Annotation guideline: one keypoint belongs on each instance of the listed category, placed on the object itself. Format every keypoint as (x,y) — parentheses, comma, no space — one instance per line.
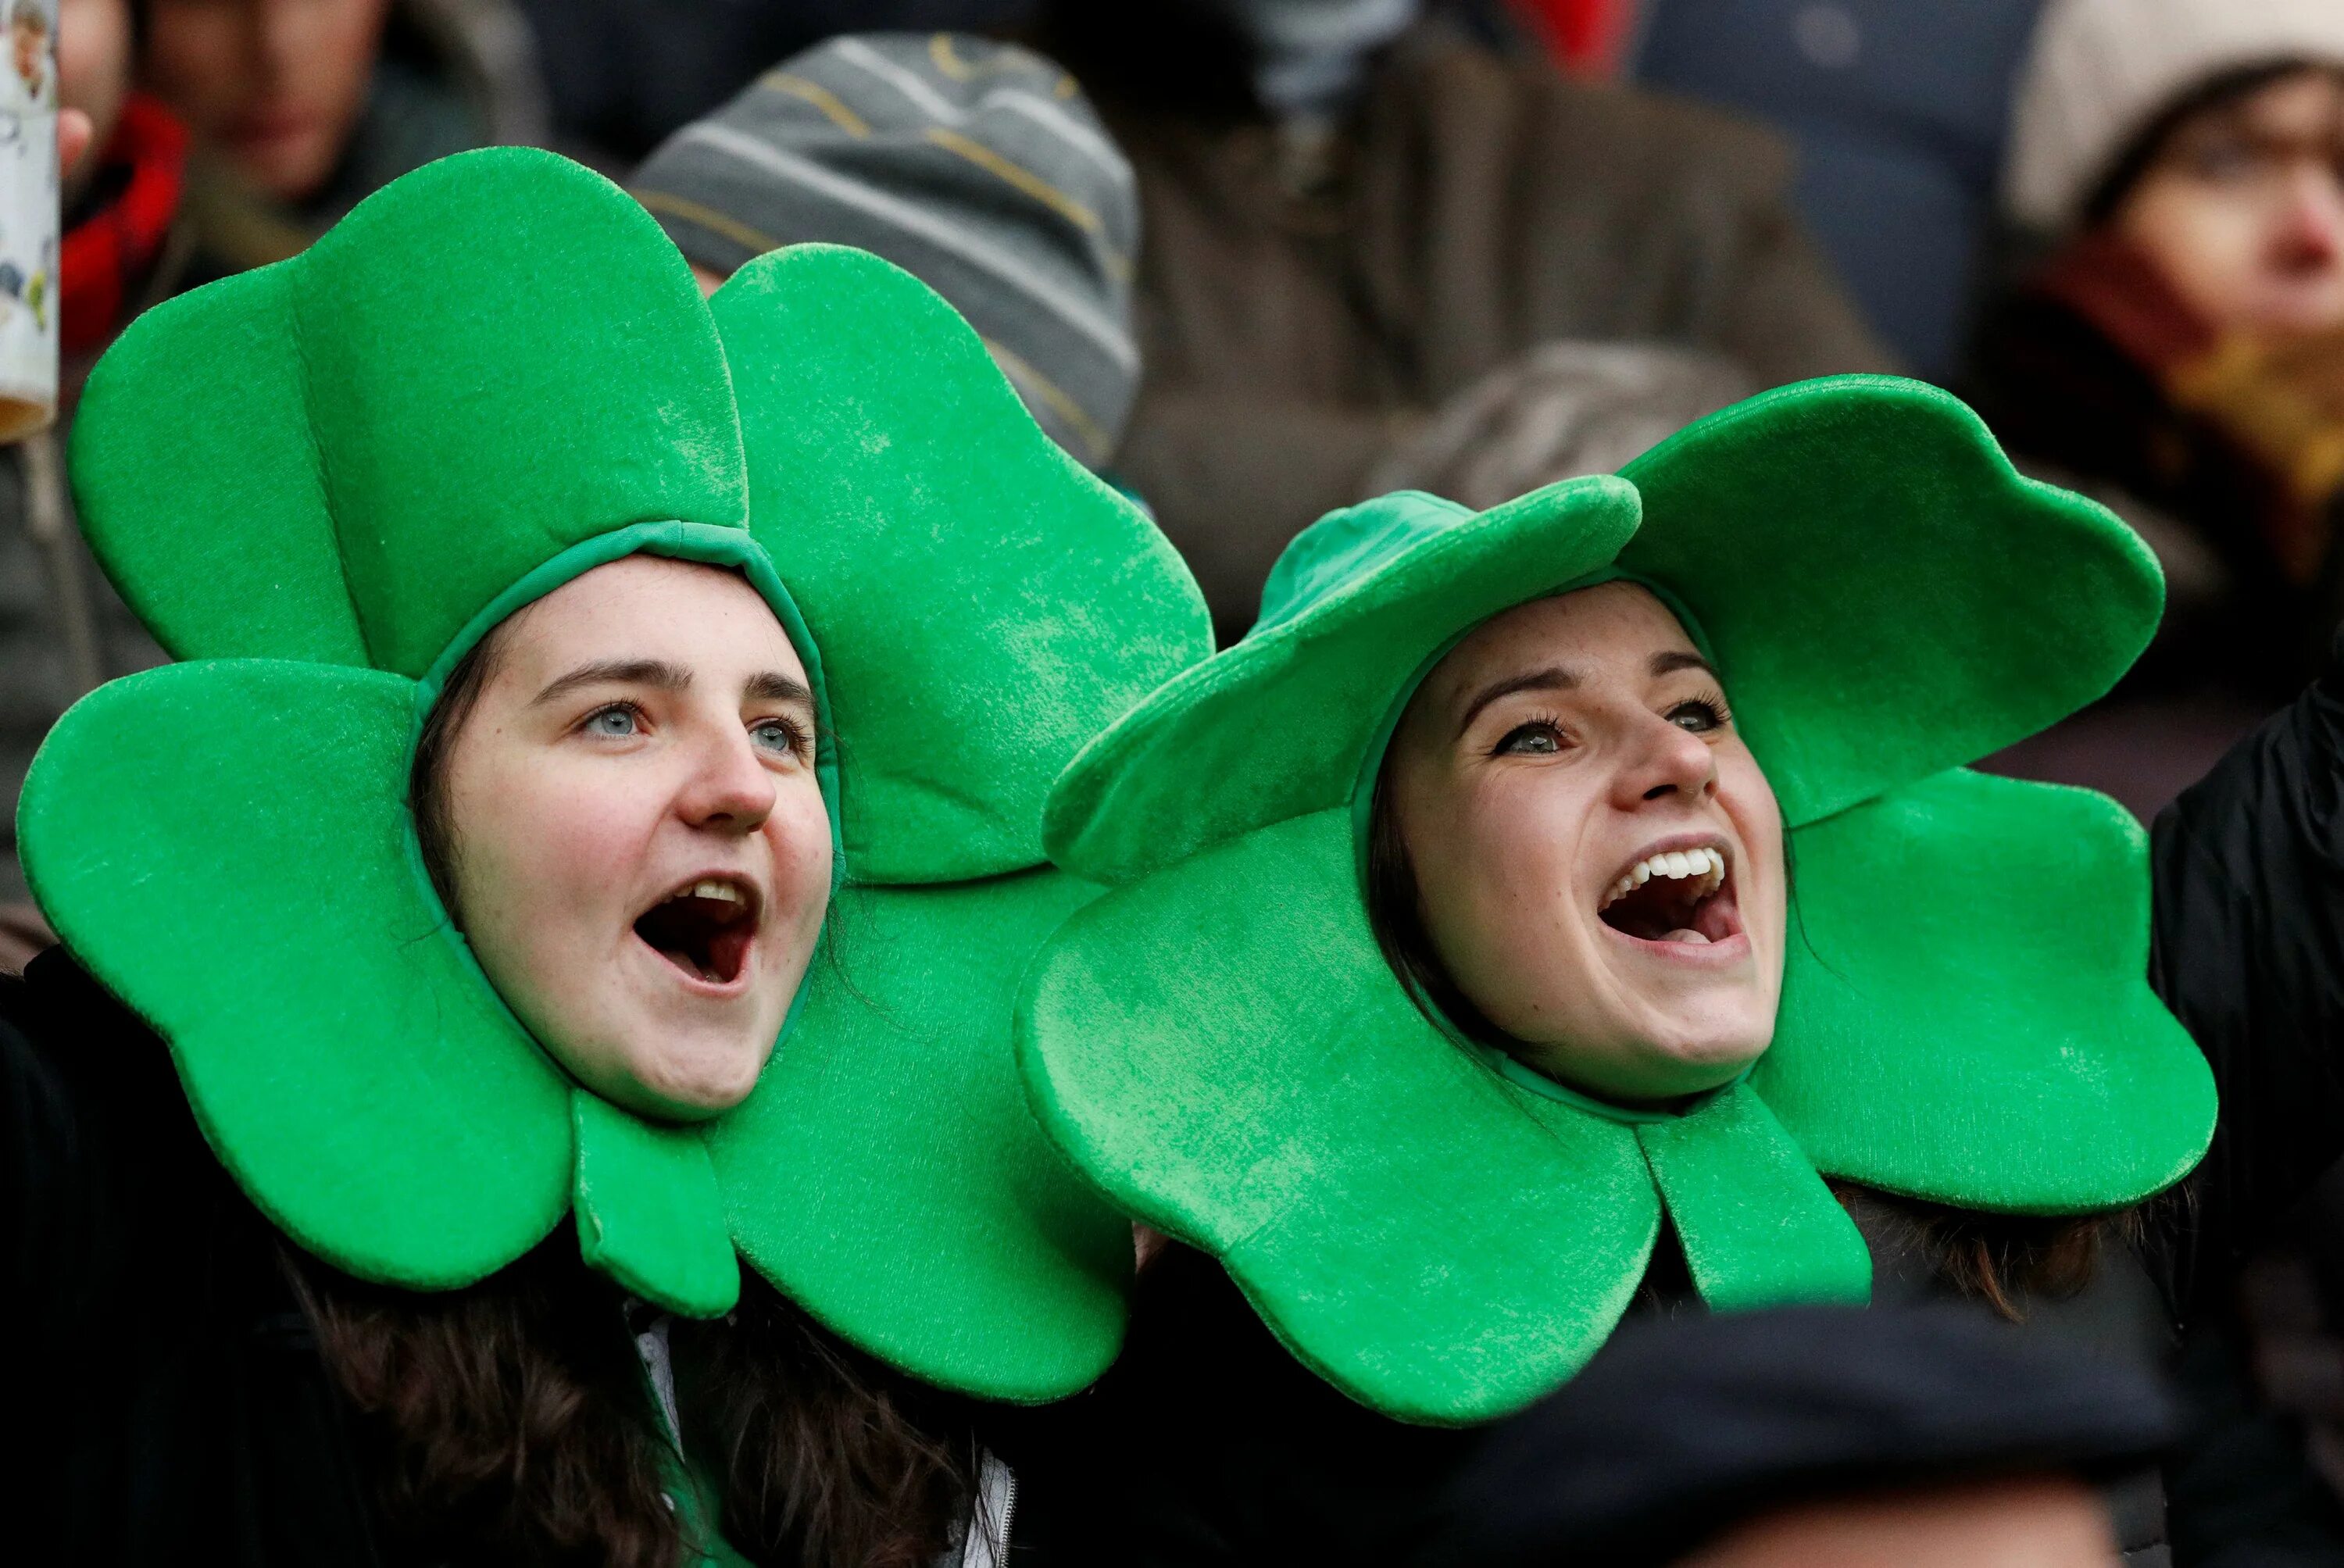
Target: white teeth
(1686,935)
(724,891)
(1708,865)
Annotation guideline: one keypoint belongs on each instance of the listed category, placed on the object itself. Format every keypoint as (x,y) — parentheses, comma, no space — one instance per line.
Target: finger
(74,132)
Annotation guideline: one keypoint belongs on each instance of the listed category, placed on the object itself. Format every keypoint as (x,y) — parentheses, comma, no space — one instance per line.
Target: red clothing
(108,253)
(1586,36)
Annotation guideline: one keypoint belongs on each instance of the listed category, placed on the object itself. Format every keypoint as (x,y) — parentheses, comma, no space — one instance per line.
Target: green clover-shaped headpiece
(321,483)
(1437,1231)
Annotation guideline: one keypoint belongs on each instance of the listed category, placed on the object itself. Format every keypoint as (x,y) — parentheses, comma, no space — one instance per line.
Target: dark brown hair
(1996,1258)
(503,1422)
(427,776)
(825,1454)
(512,1420)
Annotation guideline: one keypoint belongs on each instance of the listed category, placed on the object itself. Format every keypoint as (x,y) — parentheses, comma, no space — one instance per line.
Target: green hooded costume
(1442,1232)
(322,482)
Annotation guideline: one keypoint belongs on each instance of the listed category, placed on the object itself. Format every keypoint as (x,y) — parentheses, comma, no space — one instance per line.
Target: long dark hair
(512,1420)
(1994,1257)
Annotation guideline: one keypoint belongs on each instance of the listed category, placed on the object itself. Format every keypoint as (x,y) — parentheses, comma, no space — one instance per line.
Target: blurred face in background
(2050,1521)
(94,67)
(278,85)
(2242,208)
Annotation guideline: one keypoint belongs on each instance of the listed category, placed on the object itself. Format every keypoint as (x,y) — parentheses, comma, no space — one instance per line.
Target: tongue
(1686,935)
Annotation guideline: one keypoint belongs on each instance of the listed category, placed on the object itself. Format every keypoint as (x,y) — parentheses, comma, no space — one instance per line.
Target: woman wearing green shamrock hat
(590,844)
(1584,902)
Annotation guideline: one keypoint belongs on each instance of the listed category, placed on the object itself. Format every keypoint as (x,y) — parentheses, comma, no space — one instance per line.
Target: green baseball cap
(1444,1234)
(322,482)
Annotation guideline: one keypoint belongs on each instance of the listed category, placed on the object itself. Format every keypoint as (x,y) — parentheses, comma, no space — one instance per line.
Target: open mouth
(1680,896)
(703,929)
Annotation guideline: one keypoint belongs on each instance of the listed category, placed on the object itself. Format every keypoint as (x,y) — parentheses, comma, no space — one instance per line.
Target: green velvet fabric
(321,482)
(896,488)
(410,440)
(929,1220)
(1220,1045)
(984,606)
(212,840)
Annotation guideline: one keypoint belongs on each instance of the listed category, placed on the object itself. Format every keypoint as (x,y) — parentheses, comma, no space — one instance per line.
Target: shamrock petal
(1758,1226)
(342,1052)
(1966,1016)
(1884,596)
(347,455)
(209,516)
(1409,1223)
(887,1174)
(964,576)
(649,1212)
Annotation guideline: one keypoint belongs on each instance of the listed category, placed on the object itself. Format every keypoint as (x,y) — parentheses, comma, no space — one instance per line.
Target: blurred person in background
(301,108)
(978,168)
(2180,355)
(1813,1437)
(1355,215)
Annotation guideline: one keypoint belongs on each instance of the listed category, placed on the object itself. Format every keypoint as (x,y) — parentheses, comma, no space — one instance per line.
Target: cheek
(191,55)
(2210,248)
(798,836)
(342,49)
(546,851)
(1521,837)
(1500,870)
(1750,804)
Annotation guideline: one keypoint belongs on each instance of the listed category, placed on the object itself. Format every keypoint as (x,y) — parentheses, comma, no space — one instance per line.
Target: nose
(276,33)
(2311,237)
(1663,760)
(729,790)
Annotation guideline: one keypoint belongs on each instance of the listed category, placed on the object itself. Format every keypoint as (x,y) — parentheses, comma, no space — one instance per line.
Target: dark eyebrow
(772,686)
(1553,678)
(656,674)
(1669,663)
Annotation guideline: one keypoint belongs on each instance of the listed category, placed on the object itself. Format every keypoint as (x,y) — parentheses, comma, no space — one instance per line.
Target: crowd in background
(1255,259)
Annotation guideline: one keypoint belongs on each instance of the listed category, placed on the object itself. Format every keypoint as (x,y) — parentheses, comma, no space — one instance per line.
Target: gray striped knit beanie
(978,168)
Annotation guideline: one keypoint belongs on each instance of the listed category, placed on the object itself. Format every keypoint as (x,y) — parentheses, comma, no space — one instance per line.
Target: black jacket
(174,1401)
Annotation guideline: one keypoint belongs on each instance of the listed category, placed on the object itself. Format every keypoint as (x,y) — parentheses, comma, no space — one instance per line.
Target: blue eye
(1700,715)
(778,735)
(1537,738)
(617,722)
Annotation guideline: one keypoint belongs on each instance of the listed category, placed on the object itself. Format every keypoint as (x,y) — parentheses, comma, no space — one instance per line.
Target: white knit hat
(2100,70)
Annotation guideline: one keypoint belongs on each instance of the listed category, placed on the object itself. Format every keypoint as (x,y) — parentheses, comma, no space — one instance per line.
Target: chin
(699,1080)
(1722,1041)
(1711,1065)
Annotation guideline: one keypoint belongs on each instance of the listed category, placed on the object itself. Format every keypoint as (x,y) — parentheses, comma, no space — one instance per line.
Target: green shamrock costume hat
(1443,1233)
(322,482)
